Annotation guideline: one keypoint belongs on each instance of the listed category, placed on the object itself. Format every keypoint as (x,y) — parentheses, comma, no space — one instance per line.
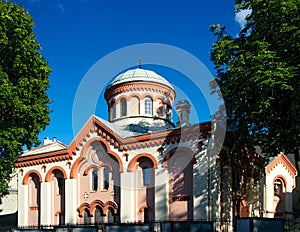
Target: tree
(258,75)
(24,79)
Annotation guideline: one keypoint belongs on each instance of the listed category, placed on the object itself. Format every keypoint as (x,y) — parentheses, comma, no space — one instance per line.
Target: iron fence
(216,225)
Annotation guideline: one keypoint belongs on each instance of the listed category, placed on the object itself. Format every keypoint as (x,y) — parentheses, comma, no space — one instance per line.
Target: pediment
(119,139)
(52,147)
(281,159)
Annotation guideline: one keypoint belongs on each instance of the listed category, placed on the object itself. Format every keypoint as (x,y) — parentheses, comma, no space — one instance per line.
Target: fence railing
(216,225)
(157,226)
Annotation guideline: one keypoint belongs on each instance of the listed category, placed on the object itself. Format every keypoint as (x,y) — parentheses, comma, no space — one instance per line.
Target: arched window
(110,215)
(94,180)
(34,190)
(145,172)
(148,106)
(123,107)
(86,217)
(58,196)
(146,176)
(114,111)
(34,200)
(134,106)
(105,179)
(98,215)
(278,187)
(60,183)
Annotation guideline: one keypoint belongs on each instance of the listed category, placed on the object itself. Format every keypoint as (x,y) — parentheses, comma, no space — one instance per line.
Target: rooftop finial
(140,62)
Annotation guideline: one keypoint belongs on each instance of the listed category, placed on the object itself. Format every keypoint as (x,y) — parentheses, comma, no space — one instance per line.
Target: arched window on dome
(134,106)
(112,110)
(123,107)
(148,106)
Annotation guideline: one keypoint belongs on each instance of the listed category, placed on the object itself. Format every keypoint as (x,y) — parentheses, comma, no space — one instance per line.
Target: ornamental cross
(85,196)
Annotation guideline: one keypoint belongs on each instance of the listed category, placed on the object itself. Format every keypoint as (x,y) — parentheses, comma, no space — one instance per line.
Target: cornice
(93,125)
(139,86)
(44,158)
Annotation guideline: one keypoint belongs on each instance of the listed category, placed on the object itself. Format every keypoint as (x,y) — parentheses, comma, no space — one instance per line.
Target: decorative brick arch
(93,166)
(146,95)
(82,208)
(110,204)
(74,169)
(96,203)
(50,172)
(27,175)
(138,96)
(142,209)
(280,177)
(179,149)
(118,99)
(106,165)
(284,180)
(59,212)
(73,173)
(111,102)
(133,161)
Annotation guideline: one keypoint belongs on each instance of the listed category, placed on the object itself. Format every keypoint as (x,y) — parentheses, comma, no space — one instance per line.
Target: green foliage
(258,75)
(24,79)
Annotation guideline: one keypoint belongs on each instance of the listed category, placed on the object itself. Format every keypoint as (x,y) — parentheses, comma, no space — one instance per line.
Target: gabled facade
(279,183)
(136,167)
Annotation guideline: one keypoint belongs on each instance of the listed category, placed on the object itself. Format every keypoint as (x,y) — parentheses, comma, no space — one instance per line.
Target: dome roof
(140,75)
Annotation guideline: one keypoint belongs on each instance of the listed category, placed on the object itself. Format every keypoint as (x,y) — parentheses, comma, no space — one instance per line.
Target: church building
(137,166)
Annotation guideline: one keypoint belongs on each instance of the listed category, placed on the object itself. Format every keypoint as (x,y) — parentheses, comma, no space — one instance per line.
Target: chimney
(47,141)
(183,111)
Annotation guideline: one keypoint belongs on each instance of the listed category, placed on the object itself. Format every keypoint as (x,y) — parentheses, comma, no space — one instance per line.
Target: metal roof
(140,74)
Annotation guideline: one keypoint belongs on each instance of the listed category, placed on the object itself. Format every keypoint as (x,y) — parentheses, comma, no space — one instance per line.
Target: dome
(140,75)
(140,100)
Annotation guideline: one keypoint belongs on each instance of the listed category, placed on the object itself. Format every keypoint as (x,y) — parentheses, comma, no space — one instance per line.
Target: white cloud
(240,17)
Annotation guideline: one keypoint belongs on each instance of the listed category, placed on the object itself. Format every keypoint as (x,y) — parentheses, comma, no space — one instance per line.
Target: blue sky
(75,34)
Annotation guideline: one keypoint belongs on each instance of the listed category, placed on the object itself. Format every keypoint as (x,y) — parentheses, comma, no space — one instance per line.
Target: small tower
(183,111)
